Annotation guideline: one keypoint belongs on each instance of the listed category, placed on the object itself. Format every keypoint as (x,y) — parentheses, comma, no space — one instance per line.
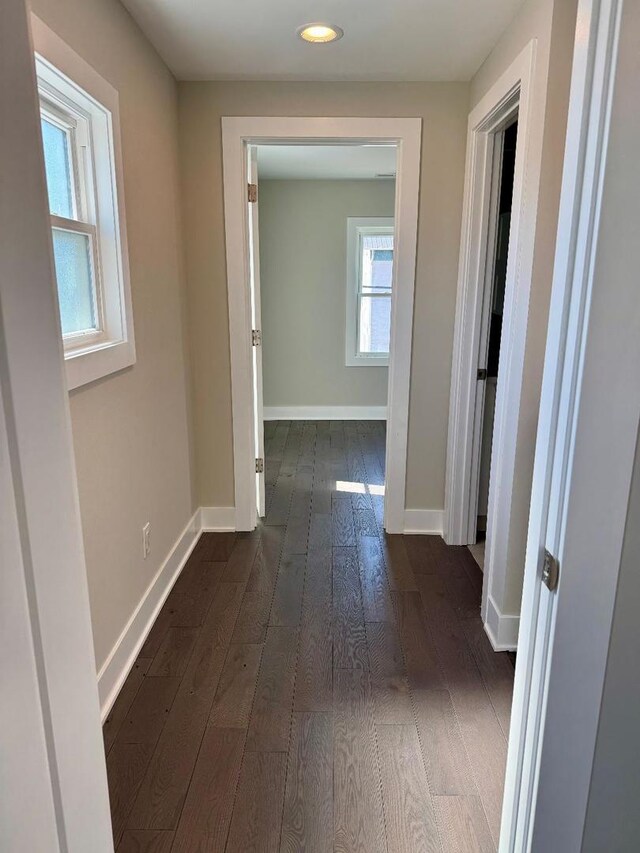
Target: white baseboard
(501,628)
(116,668)
(217,518)
(325,413)
(423,521)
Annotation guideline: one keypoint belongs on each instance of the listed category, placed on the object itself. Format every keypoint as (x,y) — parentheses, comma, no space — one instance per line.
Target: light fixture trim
(319,33)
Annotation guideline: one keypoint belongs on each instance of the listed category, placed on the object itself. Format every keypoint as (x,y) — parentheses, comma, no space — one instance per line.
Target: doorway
(321,262)
(491,130)
(240,135)
(489,357)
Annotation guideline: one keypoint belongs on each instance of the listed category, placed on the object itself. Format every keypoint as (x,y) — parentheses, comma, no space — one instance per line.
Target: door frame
(53,779)
(580,453)
(237,133)
(512,94)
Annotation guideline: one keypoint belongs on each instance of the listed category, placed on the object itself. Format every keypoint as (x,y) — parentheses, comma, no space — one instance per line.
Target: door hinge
(256,338)
(259,465)
(550,570)
(482,374)
(252,193)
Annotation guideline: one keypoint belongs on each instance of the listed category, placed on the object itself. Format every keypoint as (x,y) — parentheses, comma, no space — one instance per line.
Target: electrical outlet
(146,540)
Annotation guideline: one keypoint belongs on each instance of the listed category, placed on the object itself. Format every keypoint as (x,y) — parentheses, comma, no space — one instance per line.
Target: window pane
(377,263)
(374,324)
(57,164)
(72,254)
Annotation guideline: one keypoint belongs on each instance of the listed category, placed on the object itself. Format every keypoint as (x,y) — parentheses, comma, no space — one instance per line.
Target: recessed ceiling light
(320,33)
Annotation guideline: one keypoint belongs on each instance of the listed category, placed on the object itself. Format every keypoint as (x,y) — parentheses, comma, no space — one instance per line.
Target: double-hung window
(369,289)
(79,124)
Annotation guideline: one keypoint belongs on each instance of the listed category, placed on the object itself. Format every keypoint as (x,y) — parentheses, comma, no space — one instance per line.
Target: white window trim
(92,356)
(356,225)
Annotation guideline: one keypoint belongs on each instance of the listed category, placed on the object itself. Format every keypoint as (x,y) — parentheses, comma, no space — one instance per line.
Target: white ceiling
(391,40)
(326,162)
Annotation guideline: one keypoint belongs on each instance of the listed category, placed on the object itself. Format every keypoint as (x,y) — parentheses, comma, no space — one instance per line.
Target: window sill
(88,365)
(364,361)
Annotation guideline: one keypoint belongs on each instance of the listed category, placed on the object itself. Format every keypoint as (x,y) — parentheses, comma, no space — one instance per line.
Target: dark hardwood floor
(315,685)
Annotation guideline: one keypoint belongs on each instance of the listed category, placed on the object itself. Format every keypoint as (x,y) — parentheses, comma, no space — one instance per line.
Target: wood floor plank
(206,816)
(257,814)
(410,819)
(389,681)
(251,625)
(420,553)
(120,709)
(161,795)
(220,621)
(496,670)
(365,522)
(174,652)
(314,680)
(464,827)
(234,697)
(342,519)
(484,740)
(399,570)
(149,710)
(240,562)
(376,595)
(214,547)
(146,841)
(308,805)
(349,638)
(126,767)
(286,608)
(270,721)
(322,474)
(423,666)
(358,815)
(297,535)
(443,750)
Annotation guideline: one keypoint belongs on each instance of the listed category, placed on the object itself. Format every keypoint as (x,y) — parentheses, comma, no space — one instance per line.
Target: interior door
(485,326)
(586,439)
(256,323)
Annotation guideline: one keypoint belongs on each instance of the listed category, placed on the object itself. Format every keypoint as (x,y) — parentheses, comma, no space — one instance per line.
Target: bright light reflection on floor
(359,488)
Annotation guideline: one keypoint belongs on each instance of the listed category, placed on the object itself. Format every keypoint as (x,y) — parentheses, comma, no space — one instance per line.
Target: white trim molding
(237,133)
(325,413)
(427,521)
(501,628)
(217,519)
(115,669)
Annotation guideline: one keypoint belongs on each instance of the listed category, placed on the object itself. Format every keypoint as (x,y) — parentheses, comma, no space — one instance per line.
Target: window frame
(74,97)
(357,227)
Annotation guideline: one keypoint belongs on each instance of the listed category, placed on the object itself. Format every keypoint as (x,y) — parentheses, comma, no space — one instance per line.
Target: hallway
(315,685)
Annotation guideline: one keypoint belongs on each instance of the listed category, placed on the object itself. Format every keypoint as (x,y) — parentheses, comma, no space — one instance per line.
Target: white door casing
(237,134)
(511,95)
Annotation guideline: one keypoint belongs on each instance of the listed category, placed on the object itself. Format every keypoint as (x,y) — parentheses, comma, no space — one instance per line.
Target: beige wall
(444,108)
(552,24)
(130,430)
(303,269)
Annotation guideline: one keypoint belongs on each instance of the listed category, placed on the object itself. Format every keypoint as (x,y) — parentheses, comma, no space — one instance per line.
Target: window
(369,289)
(79,123)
